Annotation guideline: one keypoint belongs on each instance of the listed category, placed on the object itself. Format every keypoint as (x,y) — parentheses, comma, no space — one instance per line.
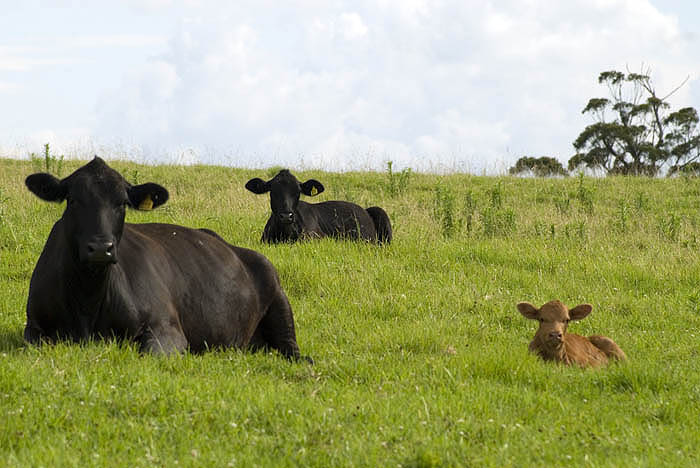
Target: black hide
(293,219)
(167,287)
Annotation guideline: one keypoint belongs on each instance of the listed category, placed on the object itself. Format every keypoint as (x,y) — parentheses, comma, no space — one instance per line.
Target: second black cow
(293,219)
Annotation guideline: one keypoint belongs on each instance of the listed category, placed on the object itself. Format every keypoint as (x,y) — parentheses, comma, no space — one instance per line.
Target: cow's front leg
(276,329)
(34,335)
(163,340)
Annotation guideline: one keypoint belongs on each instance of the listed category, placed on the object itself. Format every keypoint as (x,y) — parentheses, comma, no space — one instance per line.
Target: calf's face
(554,317)
(96,200)
(285,191)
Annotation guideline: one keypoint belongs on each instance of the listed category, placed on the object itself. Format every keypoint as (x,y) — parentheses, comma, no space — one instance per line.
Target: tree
(691,169)
(684,141)
(541,167)
(643,136)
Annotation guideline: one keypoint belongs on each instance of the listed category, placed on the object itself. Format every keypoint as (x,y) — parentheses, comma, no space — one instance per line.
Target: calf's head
(554,317)
(285,191)
(96,200)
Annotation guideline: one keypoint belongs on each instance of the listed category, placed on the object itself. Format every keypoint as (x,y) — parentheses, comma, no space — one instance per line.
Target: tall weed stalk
(496,219)
(444,210)
(584,195)
(47,162)
(397,181)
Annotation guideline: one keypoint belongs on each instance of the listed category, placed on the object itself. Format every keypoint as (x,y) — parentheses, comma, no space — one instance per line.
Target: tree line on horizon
(635,132)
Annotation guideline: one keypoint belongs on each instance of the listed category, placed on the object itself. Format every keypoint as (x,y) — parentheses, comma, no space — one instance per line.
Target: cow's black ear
(312,187)
(258,186)
(147,196)
(46,187)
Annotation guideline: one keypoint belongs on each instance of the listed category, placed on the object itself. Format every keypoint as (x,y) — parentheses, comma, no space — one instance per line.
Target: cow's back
(579,350)
(608,346)
(338,219)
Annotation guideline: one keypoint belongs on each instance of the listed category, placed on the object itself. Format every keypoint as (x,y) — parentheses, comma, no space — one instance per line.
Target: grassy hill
(421,356)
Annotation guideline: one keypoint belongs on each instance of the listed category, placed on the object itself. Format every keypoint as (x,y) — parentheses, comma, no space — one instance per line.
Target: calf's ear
(147,196)
(258,186)
(312,187)
(46,187)
(581,311)
(528,310)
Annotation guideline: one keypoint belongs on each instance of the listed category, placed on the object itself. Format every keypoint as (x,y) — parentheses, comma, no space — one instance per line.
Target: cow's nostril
(100,251)
(286,217)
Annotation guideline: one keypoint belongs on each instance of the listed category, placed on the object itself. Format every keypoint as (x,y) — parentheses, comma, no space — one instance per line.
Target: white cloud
(6,86)
(421,83)
(352,26)
(453,130)
(66,50)
(20,59)
(145,100)
(111,40)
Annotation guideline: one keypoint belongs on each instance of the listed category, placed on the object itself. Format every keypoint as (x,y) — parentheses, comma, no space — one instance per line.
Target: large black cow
(292,218)
(167,287)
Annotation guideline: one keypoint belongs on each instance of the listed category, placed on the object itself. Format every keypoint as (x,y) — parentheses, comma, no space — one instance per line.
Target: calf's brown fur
(553,343)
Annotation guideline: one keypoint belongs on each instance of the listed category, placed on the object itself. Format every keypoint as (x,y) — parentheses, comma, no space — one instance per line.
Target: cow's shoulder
(253,259)
(156,248)
(172,235)
(261,270)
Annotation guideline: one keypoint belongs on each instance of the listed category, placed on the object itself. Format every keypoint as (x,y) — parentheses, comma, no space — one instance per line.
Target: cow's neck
(87,290)
(288,232)
(548,351)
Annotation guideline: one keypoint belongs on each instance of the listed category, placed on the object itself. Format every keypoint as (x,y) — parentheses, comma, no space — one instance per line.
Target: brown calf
(552,343)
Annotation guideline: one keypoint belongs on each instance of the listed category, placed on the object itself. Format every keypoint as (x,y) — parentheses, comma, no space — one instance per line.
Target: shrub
(540,167)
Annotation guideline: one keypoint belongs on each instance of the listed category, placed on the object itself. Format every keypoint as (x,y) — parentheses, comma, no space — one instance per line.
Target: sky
(437,86)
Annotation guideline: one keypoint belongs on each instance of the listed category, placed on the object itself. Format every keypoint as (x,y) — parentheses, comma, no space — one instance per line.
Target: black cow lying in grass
(292,219)
(167,287)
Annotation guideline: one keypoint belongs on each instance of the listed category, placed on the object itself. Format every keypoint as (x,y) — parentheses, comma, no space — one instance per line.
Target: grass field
(421,356)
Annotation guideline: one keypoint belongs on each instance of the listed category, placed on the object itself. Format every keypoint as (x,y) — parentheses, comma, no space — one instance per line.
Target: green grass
(421,356)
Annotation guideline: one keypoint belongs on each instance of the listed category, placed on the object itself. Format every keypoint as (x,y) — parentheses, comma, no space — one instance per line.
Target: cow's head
(554,317)
(97,197)
(284,190)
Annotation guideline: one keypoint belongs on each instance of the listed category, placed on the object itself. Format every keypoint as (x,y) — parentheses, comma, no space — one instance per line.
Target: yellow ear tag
(314,191)
(146,204)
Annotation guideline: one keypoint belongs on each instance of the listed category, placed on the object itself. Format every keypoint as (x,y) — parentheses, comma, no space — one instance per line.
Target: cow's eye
(540,320)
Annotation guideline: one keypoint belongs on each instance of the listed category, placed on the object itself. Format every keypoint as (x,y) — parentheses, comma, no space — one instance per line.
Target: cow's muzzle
(556,337)
(286,217)
(100,252)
